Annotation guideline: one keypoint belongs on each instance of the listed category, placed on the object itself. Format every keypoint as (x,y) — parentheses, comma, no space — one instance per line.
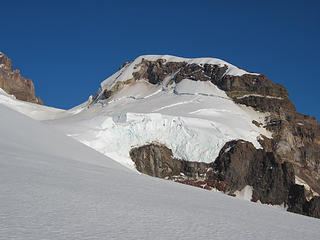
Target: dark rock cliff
(13,83)
(239,164)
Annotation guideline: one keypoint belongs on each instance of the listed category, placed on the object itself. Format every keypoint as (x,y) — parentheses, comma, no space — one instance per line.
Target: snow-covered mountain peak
(127,72)
(232,70)
(197,114)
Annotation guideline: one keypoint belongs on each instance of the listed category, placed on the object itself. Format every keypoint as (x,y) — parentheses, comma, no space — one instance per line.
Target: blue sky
(68,47)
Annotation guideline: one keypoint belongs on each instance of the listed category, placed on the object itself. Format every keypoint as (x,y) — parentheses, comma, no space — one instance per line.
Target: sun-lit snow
(32,110)
(53,187)
(245,193)
(193,118)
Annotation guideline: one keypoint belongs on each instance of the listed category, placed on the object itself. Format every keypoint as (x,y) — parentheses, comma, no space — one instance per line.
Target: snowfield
(193,118)
(53,187)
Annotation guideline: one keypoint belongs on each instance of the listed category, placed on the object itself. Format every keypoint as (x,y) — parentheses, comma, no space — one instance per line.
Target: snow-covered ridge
(126,72)
(35,111)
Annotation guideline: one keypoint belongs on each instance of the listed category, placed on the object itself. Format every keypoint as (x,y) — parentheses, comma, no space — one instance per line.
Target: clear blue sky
(68,47)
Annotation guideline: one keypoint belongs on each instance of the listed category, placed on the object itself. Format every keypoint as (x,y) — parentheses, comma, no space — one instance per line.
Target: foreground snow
(53,187)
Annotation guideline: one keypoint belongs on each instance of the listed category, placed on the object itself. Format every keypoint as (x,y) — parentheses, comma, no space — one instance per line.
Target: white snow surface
(245,193)
(53,187)
(193,118)
(32,110)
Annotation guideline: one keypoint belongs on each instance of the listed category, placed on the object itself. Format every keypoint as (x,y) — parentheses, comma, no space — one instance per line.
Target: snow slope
(53,187)
(32,110)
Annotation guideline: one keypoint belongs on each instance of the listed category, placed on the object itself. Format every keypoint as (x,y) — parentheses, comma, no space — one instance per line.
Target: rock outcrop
(238,165)
(157,160)
(241,164)
(13,83)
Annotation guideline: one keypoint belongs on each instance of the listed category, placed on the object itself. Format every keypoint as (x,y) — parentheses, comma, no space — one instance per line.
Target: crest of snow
(126,72)
(245,193)
(1,65)
(32,110)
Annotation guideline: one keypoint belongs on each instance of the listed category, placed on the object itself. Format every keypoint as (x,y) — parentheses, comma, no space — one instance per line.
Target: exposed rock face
(156,71)
(13,83)
(242,164)
(298,204)
(314,207)
(296,138)
(157,160)
(239,164)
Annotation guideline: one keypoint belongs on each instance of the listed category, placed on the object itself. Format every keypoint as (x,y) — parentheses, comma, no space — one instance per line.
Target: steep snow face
(126,72)
(53,187)
(193,118)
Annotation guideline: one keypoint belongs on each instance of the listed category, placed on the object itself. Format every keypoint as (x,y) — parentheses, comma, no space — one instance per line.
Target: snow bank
(35,111)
